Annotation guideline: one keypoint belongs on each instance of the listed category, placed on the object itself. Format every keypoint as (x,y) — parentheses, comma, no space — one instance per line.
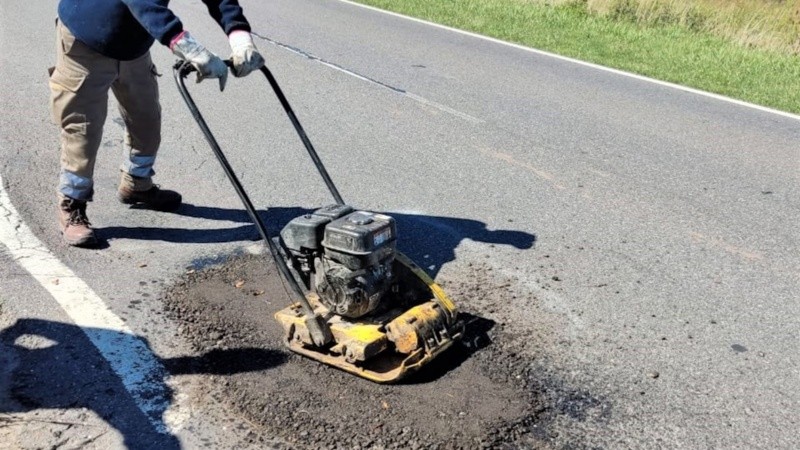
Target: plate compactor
(359,304)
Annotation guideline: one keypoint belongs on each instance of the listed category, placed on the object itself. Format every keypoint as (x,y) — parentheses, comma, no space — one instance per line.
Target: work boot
(74,225)
(153,198)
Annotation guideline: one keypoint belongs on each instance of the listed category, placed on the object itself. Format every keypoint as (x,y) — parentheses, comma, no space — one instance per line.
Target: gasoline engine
(345,256)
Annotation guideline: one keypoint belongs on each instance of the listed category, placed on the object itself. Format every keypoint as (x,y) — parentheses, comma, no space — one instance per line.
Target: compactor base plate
(387,346)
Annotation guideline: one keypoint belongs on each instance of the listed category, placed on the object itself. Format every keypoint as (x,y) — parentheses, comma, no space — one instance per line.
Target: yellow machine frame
(384,348)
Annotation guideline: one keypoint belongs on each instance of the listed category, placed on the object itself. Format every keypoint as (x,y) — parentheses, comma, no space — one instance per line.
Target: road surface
(649,234)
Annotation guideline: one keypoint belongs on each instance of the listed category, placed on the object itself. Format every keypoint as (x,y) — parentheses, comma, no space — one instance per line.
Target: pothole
(479,394)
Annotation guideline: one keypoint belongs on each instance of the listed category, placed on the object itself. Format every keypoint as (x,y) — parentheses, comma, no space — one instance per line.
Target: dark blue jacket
(125,29)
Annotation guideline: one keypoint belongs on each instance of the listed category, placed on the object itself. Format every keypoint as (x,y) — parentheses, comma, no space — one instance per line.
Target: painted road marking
(396,90)
(507,158)
(744,253)
(583,63)
(139,370)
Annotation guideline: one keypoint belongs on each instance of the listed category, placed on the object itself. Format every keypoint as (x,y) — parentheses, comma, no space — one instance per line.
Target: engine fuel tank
(361,239)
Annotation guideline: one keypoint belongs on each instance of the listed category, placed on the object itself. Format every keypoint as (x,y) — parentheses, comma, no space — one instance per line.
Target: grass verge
(669,52)
(765,24)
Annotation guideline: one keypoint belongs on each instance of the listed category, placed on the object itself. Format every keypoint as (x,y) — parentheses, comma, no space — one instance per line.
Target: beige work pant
(79,85)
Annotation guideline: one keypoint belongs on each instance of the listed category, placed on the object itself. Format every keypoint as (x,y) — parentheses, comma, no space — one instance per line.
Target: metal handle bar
(185,69)
(319,330)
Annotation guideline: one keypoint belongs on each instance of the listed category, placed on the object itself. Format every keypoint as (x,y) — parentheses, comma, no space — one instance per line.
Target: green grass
(765,24)
(672,53)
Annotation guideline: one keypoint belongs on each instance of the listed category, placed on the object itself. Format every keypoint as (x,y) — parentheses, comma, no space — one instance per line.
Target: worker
(105,44)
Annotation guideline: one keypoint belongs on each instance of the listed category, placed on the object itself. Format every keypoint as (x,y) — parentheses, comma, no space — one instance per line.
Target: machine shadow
(429,240)
(58,367)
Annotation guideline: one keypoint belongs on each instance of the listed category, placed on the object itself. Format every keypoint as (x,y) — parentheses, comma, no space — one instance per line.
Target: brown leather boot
(154,198)
(74,225)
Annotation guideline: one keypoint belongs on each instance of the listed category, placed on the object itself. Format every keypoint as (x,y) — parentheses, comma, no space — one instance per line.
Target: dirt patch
(478,394)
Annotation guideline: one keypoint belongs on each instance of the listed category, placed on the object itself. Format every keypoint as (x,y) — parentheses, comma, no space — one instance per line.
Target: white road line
(444,108)
(130,358)
(584,63)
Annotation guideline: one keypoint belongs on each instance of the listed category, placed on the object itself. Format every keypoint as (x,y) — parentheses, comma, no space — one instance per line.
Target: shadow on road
(429,240)
(58,367)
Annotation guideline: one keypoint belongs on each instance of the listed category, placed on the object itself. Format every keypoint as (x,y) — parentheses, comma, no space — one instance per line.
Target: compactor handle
(183,69)
(320,332)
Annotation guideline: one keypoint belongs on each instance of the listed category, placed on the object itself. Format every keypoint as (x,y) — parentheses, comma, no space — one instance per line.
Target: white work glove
(208,65)
(244,54)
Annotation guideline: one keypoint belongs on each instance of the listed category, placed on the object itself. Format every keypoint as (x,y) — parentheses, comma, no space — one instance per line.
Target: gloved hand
(208,65)
(244,54)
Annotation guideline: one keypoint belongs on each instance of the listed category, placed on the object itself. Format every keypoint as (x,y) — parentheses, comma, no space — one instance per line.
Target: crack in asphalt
(313,57)
(397,90)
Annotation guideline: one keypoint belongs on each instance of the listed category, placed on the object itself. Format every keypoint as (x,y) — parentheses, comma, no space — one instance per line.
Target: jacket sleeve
(228,14)
(156,18)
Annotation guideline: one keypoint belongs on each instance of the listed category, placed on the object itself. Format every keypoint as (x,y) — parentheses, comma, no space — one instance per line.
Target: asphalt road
(655,229)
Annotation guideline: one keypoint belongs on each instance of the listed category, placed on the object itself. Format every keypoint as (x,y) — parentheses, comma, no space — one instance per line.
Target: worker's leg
(136,90)
(79,86)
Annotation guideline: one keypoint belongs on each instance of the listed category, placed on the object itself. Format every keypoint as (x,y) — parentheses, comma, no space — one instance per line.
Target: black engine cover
(351,293)
(356,268)
(345,256)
